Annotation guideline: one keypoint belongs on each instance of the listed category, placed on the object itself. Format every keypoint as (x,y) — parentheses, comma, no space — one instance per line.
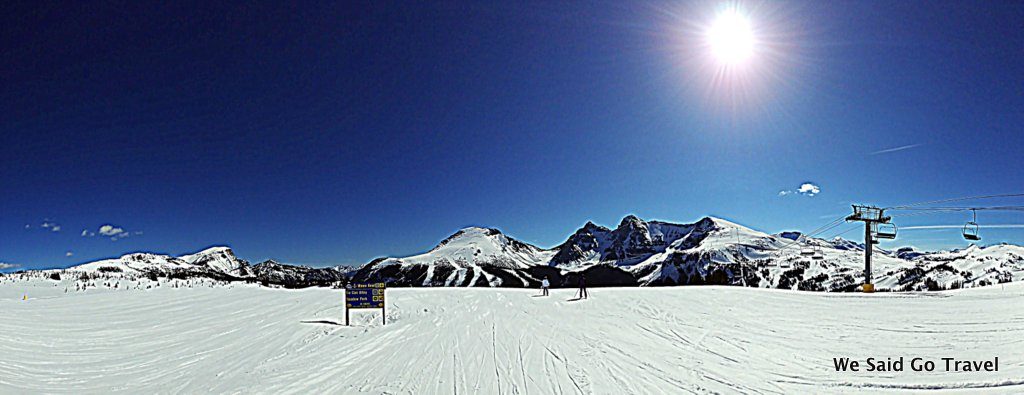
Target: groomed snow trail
(500,341)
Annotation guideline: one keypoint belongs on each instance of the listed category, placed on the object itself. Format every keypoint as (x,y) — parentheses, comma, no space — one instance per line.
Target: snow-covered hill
(211,262)
(219,263)
(972,266)
(240,338)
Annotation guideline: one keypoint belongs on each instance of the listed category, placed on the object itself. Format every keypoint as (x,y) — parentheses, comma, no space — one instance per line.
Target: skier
(583,286)
(544,284)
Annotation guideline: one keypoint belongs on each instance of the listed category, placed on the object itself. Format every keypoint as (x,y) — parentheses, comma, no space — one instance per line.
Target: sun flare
(731,38)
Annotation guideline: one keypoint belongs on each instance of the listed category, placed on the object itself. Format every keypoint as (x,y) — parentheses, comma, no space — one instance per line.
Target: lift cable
(917,210)
(824,228)
(956,200)
(963,208)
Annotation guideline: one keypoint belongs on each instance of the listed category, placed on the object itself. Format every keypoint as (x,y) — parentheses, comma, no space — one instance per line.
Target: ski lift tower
(871,216)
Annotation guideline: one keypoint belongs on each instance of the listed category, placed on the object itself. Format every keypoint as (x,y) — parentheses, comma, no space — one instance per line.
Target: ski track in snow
(694,339)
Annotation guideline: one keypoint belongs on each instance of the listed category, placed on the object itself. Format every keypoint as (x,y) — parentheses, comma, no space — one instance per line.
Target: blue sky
(333,134)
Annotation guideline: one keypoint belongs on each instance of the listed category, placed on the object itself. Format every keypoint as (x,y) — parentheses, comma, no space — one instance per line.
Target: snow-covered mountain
(219,263)
(211,262)
(219,259)
(710,251)
(293,276)
(632,239)
(472,256)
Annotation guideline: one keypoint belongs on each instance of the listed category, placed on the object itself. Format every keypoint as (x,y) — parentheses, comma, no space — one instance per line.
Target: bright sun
(730,38)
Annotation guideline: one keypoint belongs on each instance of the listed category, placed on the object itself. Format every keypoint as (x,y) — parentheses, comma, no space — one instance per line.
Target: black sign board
(364,296)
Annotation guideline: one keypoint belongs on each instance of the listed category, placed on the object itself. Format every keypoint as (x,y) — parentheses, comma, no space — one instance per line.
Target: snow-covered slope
(245,339)
(969,267)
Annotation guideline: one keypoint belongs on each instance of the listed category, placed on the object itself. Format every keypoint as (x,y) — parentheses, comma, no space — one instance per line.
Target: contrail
(1004,226)
(888,150)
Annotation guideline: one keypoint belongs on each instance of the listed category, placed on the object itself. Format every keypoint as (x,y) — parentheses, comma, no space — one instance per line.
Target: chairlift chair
(818,254)
(971,231)
(807,251)
(971,228)
(885,231)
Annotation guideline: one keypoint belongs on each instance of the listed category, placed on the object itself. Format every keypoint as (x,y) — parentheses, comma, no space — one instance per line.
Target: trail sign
(365,296)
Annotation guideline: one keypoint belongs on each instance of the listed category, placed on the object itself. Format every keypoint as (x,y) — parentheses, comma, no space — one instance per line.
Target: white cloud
(7,266)
(110,230)
(113,232)
(47,224)
(806,189)
(69,253)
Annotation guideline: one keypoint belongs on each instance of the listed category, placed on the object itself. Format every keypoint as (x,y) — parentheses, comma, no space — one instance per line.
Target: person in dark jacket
(583,286)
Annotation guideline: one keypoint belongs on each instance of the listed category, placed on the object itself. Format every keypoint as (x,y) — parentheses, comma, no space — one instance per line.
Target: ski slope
(246,339)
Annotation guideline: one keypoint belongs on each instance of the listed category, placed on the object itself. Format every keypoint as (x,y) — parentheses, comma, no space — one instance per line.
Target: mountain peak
(215,250)
(591,227)
(271,264)
(469,232)
(478,229)
(631,221)
(268,262)
(219,258)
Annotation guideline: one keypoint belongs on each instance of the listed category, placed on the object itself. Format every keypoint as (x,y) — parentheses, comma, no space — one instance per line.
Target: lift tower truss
(871,216)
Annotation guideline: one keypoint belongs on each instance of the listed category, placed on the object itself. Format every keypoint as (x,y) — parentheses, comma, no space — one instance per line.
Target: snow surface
(240,338)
